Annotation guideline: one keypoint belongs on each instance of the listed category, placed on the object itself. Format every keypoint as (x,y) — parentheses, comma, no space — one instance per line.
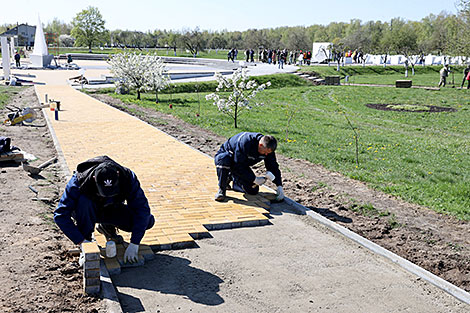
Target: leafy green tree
(234,40)
(459,30)
(217,42)
(193,40)
(58,27)
(295,38)
(88,28)
(335,30)
(255,38)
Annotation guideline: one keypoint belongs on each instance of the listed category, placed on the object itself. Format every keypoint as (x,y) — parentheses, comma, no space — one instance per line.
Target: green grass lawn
(424,76)
(421,157)
(6,93)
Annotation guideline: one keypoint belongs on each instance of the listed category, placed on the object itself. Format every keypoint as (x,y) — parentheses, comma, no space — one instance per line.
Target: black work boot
(109,231)
(220,195)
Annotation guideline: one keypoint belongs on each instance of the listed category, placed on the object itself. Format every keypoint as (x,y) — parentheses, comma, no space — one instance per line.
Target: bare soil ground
(436,242)
(36,273)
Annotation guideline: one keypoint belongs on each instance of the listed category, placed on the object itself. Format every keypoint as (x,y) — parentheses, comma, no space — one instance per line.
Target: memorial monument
(40,56)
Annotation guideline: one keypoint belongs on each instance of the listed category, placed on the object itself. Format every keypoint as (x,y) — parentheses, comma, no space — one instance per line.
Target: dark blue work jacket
(82,184)
(243,147)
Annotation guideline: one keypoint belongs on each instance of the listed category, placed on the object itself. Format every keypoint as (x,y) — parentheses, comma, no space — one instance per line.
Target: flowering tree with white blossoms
(240,96)
(156,78)
(137,71)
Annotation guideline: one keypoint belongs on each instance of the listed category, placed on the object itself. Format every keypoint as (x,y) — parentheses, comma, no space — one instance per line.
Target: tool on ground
(20,115)
(36,170)
(33,190)
(110,249)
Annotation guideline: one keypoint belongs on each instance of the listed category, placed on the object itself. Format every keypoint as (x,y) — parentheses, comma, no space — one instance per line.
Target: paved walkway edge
(440,283)
(60,154)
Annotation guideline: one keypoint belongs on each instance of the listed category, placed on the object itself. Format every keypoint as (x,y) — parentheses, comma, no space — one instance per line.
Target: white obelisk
(40,57)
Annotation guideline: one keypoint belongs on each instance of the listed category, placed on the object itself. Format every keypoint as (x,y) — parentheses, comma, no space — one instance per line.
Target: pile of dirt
(37,274)
(436,242)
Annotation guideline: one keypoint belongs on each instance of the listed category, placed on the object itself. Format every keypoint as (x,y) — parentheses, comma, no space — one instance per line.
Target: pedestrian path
(179,181)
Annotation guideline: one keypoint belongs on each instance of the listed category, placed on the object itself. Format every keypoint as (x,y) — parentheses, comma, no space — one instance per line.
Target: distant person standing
(444,73)
(466,77)
(282,59)
(405,64)
(18,59)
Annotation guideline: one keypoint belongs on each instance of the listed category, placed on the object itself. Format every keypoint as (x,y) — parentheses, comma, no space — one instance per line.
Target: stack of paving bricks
(91,268)
(179,182)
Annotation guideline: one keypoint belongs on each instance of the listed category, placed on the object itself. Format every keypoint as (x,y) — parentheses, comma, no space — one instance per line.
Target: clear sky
(213,15)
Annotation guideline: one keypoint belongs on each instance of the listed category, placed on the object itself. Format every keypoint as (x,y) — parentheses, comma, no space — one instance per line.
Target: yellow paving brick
(163,240)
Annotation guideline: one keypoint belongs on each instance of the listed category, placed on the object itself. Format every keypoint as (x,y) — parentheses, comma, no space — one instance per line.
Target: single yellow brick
(90,248)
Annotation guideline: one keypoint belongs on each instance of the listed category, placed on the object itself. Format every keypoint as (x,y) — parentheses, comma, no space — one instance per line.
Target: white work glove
(81,258)
(280,193)
(270,176)
(131,255)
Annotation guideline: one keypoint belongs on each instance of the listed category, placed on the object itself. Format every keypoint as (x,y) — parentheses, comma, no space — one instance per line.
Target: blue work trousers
(242,176)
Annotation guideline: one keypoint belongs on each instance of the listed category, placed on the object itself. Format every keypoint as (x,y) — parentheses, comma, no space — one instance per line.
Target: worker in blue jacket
(96,194)
(237,154)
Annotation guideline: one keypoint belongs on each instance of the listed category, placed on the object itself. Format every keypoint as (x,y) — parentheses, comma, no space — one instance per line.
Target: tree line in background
(442,34)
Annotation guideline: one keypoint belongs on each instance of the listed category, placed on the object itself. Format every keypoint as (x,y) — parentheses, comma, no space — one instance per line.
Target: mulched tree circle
(409,107)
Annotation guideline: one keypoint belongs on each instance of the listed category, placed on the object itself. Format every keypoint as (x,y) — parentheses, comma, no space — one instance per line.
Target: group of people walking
(277,57)
(281,57)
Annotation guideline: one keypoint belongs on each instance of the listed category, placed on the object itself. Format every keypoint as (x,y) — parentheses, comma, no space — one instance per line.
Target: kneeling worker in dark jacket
(96,194)
(237,154)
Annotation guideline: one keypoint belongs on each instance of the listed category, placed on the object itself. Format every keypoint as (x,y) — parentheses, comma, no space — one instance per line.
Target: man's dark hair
(269,142)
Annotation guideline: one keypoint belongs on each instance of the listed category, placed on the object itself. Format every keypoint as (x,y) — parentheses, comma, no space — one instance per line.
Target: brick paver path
(179,181)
